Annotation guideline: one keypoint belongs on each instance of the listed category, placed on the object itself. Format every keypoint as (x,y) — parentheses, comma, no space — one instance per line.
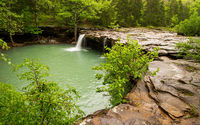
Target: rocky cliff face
(172,97)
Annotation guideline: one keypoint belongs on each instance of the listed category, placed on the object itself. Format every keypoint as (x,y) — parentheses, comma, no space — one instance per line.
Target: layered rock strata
(172,97)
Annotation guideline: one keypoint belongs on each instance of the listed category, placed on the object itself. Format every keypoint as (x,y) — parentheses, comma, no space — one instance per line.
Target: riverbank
(172,97)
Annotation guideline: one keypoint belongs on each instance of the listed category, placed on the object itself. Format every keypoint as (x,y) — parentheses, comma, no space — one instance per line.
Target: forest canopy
(27,16)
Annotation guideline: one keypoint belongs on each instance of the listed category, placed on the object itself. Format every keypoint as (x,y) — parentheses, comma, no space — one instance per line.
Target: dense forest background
(27,16)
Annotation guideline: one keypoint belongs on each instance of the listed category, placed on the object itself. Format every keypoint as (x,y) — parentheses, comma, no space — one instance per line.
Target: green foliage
(28,15)
(154,13)
(190,49)
(41,102)
(129,12)
(3,45)
(195,7)
(174,20)
(124,66)
(190,27)
(9,20)
(107,15)
(12,106)
(33,30)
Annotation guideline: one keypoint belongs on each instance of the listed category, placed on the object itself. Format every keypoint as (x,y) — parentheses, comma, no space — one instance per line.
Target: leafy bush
(32,30)
(190,49)
(190,27)
(4,46)
(41,102)
(12,106)
(124,66)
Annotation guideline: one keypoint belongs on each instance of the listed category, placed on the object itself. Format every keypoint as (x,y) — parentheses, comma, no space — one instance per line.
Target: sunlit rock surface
(149,38)
(172,97)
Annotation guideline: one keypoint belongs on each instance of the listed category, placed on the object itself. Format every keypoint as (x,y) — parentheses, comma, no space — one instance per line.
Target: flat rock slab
(149,38)
(172,97)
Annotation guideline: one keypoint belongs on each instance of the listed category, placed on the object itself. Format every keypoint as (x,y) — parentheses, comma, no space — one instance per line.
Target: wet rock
(18,44)
(52,41)
(162,52)
(74,43)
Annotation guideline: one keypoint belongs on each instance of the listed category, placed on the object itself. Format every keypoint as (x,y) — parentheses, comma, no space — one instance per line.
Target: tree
(9,20)
(124,66)
(183,11)
(171,12)
(162,15)
(190,27)
(195,7)
(77,11)
(129,12)
(106,15)
(152,13)
(41,102)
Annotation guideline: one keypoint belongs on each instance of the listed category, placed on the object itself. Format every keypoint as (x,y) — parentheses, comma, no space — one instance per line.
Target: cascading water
(80,40)
(78,45)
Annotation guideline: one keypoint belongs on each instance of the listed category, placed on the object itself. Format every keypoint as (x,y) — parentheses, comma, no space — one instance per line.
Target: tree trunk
(11,39)
(10,21)
(36,16)
(75,32)
(75,23)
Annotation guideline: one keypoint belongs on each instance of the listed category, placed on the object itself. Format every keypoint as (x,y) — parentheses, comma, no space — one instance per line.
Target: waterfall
(80,40)
(78,45)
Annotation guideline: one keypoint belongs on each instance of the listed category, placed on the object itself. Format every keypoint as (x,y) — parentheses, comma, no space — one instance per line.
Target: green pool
(73,68)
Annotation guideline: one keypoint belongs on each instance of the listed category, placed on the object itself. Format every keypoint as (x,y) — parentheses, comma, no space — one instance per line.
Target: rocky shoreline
(172,97)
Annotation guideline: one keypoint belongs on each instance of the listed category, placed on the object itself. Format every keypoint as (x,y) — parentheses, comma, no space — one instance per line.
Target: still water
(73,68)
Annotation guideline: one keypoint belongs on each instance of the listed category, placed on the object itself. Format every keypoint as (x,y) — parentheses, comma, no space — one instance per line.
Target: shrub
(124,66)
(41,102)
(12,105)
(4,46)
(190,49)
(190,27)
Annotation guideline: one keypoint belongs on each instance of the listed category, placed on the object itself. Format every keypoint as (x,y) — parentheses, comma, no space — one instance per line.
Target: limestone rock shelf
(172,97)
(148,38)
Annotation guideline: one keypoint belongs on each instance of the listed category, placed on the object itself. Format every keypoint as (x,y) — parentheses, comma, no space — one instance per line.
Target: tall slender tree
(152,12)
(129,12)
(172,12)
(9,20)
(76,11)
